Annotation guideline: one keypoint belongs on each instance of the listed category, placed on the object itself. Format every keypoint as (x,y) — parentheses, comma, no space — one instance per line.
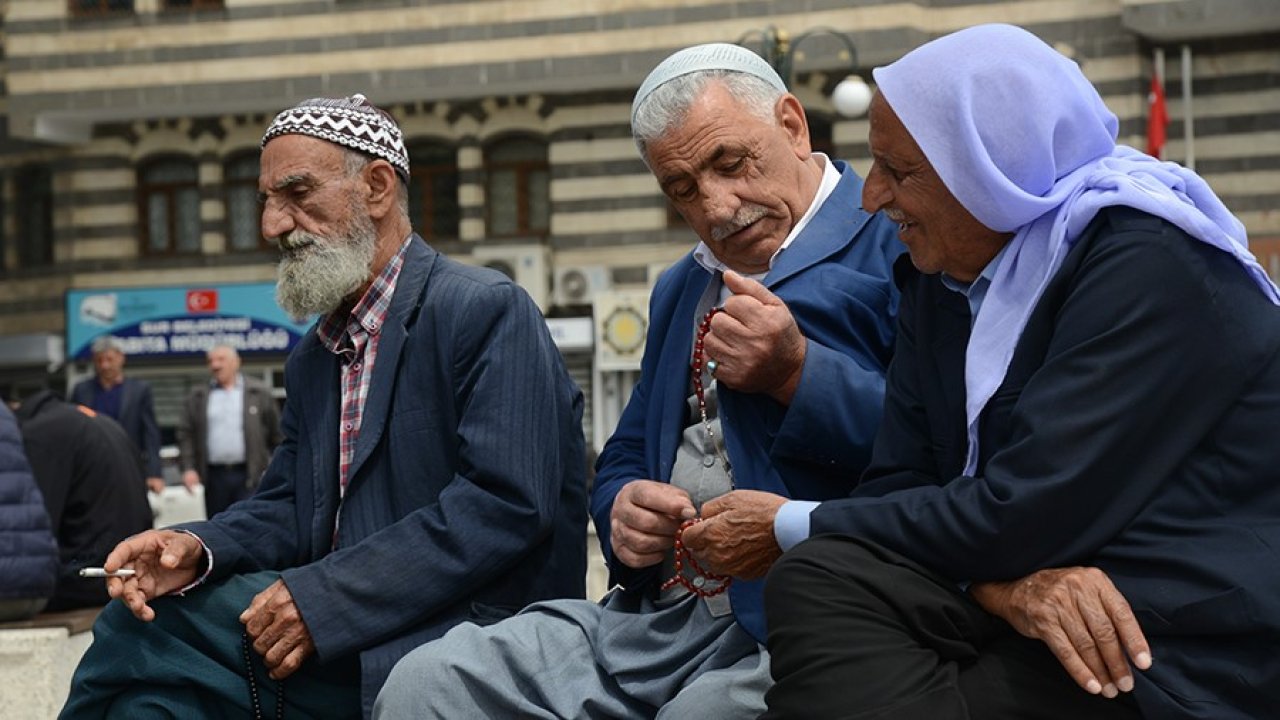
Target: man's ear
(790,115)
(384,188)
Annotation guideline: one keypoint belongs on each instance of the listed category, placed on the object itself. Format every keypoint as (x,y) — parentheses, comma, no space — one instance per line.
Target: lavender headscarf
(1024,142)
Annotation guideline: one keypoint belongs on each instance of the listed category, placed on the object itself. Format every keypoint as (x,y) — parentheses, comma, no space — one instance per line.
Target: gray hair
(354,161)
(103,343)
(668,104)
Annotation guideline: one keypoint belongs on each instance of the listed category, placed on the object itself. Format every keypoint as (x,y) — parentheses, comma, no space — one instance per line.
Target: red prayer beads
(698,363)
(704,584)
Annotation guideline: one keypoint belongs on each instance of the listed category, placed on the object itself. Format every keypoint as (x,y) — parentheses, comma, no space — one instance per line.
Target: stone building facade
(130,152)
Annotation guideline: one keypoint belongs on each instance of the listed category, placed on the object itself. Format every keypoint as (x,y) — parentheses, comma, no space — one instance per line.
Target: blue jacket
(467,496)
(137,417)
(28,552)
(837,280)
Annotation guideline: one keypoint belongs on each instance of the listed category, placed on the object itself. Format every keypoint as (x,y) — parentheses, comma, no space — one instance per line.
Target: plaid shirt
(354,339)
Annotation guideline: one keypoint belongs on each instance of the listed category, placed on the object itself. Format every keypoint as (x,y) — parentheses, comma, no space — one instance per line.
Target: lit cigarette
(97,572)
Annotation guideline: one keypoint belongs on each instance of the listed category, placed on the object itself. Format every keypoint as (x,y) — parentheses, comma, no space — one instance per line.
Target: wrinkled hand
(644,519)
(736,536)
(277,630)
(155,484)
(755,341)
(191,479)
(1083,619)
(162,560)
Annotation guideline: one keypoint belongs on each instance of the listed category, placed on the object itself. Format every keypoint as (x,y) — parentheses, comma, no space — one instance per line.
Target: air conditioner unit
(579,284)
(525,264)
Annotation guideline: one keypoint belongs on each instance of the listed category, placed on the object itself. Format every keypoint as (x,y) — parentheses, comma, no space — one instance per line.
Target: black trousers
(224,485)
(857,631)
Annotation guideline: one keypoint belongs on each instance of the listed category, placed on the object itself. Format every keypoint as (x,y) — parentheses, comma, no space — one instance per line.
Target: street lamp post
(851,96)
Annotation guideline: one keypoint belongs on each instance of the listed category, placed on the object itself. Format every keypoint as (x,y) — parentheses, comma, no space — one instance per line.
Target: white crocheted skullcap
(352,122)
(725,57)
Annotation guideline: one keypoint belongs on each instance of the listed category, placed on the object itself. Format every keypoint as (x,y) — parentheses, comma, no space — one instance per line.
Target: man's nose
(875,191)
(276,222)
(720,204)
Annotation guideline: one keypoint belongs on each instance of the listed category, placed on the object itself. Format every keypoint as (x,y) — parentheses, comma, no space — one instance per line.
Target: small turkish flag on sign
(202,301)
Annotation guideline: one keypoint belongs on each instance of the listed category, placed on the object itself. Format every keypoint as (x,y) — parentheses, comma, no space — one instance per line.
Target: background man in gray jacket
(227,431)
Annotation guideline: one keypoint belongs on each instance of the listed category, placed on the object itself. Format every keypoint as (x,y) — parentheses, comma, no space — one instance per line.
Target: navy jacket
(28,553)
(467,497)
(1134,432)
(837,281)
(137,417)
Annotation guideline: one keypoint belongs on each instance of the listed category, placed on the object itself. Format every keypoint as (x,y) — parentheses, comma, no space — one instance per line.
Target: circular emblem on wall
(624,329)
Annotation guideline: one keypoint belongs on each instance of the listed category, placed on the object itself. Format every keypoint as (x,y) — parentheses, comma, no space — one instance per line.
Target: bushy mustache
(746,215)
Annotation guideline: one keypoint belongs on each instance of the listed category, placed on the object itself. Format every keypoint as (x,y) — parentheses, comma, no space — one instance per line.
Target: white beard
(316,274)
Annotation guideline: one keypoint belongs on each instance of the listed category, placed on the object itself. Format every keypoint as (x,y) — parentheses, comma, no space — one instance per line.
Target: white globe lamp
(851,97)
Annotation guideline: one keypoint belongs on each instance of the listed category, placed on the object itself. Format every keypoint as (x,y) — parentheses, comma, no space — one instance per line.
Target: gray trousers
(622,658)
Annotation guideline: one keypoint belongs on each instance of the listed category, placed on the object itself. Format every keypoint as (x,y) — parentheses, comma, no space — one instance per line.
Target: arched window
(244,212)
(169,206)
(433,189)
(33,211)
(518,187)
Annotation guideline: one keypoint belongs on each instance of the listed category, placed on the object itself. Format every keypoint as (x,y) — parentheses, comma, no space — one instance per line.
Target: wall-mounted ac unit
(579,284)
(526,264)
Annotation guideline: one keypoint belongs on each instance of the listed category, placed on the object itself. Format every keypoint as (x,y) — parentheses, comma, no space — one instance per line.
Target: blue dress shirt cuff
(791,524)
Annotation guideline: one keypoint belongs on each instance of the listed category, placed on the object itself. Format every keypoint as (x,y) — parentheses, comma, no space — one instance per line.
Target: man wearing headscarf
(431,471)
(1087,373)
(778,391)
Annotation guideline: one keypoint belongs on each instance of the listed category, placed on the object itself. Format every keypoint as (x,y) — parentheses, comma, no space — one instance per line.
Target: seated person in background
(780,391)
(90,476)
(1087,374)
(29,563)
(431,471)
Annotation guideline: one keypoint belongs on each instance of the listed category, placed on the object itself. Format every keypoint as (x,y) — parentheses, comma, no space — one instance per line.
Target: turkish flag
(1157,118)
(202,301)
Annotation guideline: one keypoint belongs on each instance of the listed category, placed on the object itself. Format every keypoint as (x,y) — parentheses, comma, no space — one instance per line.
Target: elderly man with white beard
(432,469)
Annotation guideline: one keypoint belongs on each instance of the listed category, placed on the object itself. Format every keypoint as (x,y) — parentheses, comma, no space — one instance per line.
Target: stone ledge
(74,621)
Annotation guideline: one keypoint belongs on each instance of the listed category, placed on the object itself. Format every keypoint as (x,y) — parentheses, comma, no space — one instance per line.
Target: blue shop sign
(181,321)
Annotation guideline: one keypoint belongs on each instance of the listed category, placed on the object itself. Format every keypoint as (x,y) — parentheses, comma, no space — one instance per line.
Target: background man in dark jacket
(125,400)
(88,472)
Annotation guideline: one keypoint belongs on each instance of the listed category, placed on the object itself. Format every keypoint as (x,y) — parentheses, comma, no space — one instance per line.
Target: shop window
(433,189)
(517,187)
(169,206)
(244,212)
(33,185)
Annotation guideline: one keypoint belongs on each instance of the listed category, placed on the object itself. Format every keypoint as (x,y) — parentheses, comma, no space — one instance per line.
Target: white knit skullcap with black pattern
(352,122)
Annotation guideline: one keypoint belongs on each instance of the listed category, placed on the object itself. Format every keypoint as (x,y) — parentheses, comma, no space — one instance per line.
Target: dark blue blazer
(1134,432)
(837,280)
(467,496)
(137,417)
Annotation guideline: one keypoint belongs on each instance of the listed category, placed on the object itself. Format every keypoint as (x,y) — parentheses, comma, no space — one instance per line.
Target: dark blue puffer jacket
(28,552)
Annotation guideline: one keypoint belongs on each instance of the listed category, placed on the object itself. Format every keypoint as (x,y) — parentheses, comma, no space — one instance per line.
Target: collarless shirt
(353,337)
(224,413)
